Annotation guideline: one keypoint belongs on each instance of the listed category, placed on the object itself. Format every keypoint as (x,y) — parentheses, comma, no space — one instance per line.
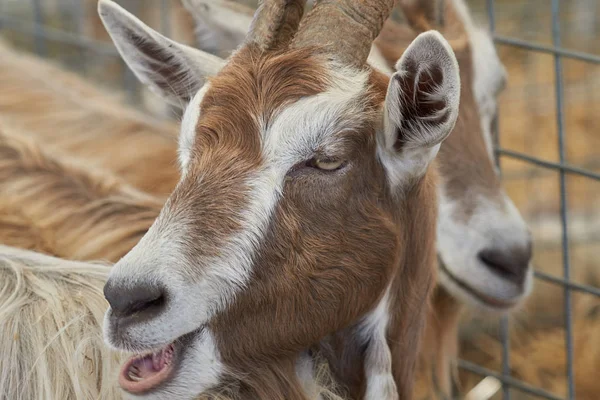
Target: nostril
(126,301)
(510,264)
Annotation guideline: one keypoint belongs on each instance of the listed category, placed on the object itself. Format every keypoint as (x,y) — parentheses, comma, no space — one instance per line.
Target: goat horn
(275,23)
(344,28)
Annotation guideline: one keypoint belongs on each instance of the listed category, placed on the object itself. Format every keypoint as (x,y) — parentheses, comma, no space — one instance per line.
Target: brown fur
(439,349)
(463,157)
(224,136)
(66,113)
(71,211)
(64,209)
(417,316)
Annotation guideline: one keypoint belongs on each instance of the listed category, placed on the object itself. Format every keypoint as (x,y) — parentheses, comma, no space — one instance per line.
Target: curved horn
(345,28)
(275,23)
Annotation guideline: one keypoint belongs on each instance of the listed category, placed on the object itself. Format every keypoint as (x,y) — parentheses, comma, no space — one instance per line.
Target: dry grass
(537,354)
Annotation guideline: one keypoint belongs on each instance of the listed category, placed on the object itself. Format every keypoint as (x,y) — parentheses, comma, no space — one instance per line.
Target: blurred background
(534,351)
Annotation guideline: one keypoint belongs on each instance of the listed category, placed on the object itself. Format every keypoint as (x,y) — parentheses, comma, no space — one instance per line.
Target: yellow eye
(327,164)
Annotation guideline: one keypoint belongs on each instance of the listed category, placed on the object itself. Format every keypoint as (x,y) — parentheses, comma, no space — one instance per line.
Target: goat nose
(511,263)
(125,302)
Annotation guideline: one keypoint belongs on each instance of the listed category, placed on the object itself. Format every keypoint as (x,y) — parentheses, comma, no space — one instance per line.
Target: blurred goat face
(484,245)
(285,225)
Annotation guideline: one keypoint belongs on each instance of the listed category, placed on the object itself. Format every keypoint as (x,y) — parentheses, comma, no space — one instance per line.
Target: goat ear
(172,70)
(221,25)
(421,103)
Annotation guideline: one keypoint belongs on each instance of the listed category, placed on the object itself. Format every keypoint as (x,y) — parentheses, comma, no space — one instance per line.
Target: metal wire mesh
(34,30)
(563,168)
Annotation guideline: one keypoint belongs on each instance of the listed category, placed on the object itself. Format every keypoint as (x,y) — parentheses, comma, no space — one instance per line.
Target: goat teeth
(133,374)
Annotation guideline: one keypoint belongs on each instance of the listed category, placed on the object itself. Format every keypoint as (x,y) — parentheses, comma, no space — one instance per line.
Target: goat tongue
(144,367)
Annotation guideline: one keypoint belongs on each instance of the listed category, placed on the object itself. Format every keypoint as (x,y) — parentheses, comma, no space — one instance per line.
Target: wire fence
(30,26)
(563,167)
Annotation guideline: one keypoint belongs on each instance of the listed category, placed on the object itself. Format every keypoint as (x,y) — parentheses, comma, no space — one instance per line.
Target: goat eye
(326,164)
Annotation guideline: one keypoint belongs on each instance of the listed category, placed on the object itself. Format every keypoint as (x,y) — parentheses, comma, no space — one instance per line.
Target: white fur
(158,258)
(459,243)
(378,61)
(299,129)
(188,128)
(305,372)
(378,357)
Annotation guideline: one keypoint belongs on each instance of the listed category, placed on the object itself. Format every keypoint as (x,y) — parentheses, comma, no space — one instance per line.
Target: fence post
(563,197)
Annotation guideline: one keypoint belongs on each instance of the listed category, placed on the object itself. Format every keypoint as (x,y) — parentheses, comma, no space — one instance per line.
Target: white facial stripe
(298,129)
(378,360)
(288,139)
(188,128)
(157,258)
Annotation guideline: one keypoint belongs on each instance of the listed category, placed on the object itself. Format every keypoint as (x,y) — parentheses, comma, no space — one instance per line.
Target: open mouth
(142,373)
(488,300)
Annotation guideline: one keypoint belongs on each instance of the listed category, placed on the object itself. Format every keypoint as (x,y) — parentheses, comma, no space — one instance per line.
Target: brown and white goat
(306,204)
(74,116)
(484,246)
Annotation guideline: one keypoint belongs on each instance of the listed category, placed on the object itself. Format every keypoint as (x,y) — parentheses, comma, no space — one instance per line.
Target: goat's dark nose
(510,263)
(126,301)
